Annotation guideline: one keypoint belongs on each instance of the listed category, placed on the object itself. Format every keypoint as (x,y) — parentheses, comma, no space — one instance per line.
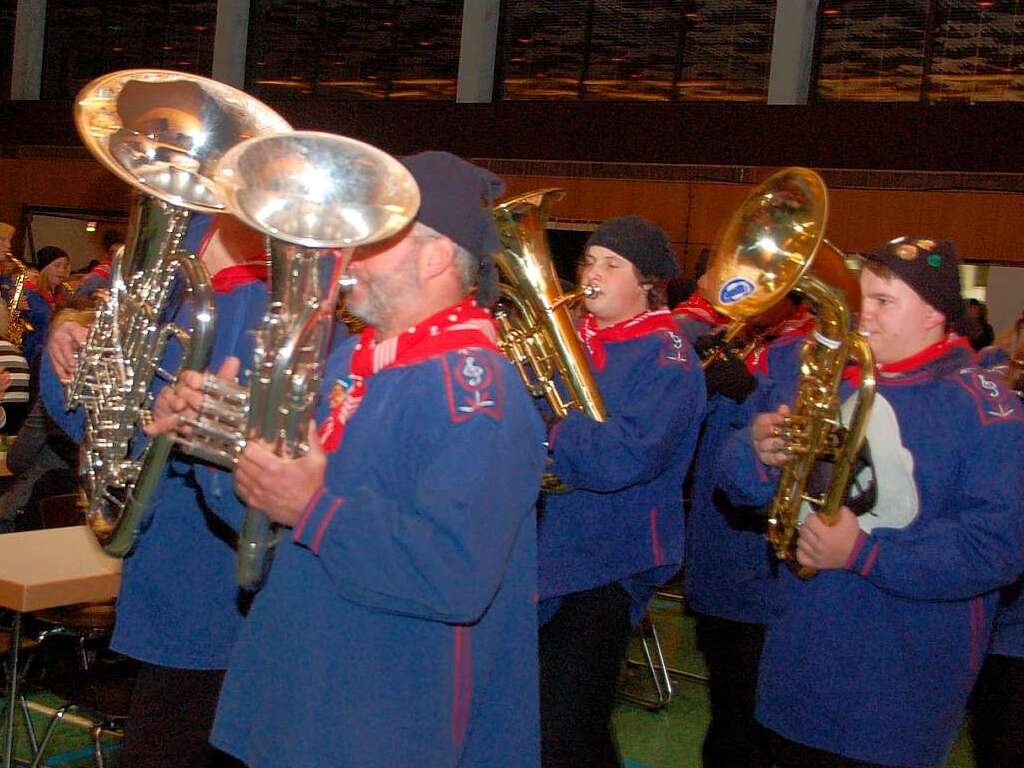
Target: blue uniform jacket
(875,662)
(397,625)
(623,522)
(38,314)
(730,571)
(178,604)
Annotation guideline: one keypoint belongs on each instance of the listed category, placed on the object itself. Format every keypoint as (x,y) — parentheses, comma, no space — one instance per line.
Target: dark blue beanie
(456,199)
(930,267)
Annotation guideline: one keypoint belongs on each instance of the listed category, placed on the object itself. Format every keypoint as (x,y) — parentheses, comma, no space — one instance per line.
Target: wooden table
(50,568)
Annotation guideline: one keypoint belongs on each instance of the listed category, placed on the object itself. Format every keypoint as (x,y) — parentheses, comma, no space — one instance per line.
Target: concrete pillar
(477,49)
(792,51)
(27,60)
(230,42)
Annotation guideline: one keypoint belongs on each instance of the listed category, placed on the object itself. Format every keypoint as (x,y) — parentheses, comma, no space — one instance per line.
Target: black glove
(728,376)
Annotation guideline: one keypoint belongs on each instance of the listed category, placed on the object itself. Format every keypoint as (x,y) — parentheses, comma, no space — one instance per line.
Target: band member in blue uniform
(397,624)
(610,542)
(179,610)
(730,574)
(871,661)
(41,295)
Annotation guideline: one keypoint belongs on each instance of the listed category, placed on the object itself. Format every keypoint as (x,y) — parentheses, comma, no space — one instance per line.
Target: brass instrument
(311,193)
(162,132)
(540,335)
(18,326)
(771,246)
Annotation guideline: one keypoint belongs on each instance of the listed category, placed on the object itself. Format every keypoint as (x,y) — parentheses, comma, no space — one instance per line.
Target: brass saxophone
(18,326)
(311,193)
(162,132)
(771,246)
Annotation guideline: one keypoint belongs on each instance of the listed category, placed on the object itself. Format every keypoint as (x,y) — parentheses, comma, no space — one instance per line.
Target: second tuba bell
(772,245)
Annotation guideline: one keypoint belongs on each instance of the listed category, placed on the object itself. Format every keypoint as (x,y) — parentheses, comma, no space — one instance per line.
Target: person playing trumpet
(606,545)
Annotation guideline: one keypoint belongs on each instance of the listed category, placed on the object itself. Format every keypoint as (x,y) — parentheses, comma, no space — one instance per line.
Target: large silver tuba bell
(312,194)
(163,133)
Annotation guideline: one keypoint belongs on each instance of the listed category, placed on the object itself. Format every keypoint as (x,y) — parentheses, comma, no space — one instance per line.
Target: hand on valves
(279,486)
(766,433)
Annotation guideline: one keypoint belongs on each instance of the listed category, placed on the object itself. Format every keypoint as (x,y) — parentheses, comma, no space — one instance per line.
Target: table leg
(12,690)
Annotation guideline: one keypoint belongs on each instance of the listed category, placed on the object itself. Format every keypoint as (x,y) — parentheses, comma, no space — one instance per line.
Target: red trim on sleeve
(310,505)
(858,545)
(659,554)
(319,537)
(870,562)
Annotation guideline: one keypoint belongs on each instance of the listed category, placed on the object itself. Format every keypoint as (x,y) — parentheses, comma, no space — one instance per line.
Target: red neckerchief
(799,323)
(645,323)
(915,361)
(926,355)
(457,327)
(700,308)
(102,269)
(30,285)
(236,275)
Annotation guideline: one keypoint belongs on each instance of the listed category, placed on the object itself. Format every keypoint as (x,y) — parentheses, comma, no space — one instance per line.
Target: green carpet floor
(668,738)
(671,737)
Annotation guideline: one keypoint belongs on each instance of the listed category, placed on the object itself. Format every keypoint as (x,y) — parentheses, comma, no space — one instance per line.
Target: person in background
(976,326)
(617,535)
(871,661)
(179,610)
(16,395)
(98,276)
(41,294)
(730,575)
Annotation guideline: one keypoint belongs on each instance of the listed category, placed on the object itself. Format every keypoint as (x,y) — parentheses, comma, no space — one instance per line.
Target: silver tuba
(311,193)
(163,133)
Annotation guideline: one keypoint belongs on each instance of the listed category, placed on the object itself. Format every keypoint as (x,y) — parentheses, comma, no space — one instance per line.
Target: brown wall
(986,226)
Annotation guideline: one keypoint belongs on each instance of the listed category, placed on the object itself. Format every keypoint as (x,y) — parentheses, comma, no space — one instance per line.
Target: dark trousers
(581,653)
(997,708)
(789,754)
(169,720)
(732,651)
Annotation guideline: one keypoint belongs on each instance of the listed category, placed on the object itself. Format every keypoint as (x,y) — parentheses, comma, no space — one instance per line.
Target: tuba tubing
(541,338)
(162,132)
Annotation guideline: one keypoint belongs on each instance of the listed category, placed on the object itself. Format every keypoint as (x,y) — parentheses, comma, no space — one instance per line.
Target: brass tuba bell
(771,246)
(540,335)
(163,133)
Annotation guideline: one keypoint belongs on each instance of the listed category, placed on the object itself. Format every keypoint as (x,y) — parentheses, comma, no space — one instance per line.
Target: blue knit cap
(456,199)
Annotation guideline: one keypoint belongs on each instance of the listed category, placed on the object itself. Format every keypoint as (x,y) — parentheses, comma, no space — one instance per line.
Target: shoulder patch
(473,385)
(675,350)
(995,401)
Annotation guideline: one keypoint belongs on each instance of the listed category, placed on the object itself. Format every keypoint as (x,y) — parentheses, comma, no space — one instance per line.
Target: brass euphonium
(539,336)
(772,246)
(311,194)
(162,132)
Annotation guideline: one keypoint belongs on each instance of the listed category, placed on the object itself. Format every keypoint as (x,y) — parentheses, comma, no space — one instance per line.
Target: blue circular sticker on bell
(736,289)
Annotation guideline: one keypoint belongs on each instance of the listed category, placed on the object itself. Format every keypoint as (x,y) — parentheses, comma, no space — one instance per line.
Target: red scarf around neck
(457,327)
(236,275)
(701,309)
(645,323)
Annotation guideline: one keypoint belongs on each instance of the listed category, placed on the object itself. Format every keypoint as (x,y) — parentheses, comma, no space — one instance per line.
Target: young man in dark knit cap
(41,291)
(608,544)
(871,661)
(397,625)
